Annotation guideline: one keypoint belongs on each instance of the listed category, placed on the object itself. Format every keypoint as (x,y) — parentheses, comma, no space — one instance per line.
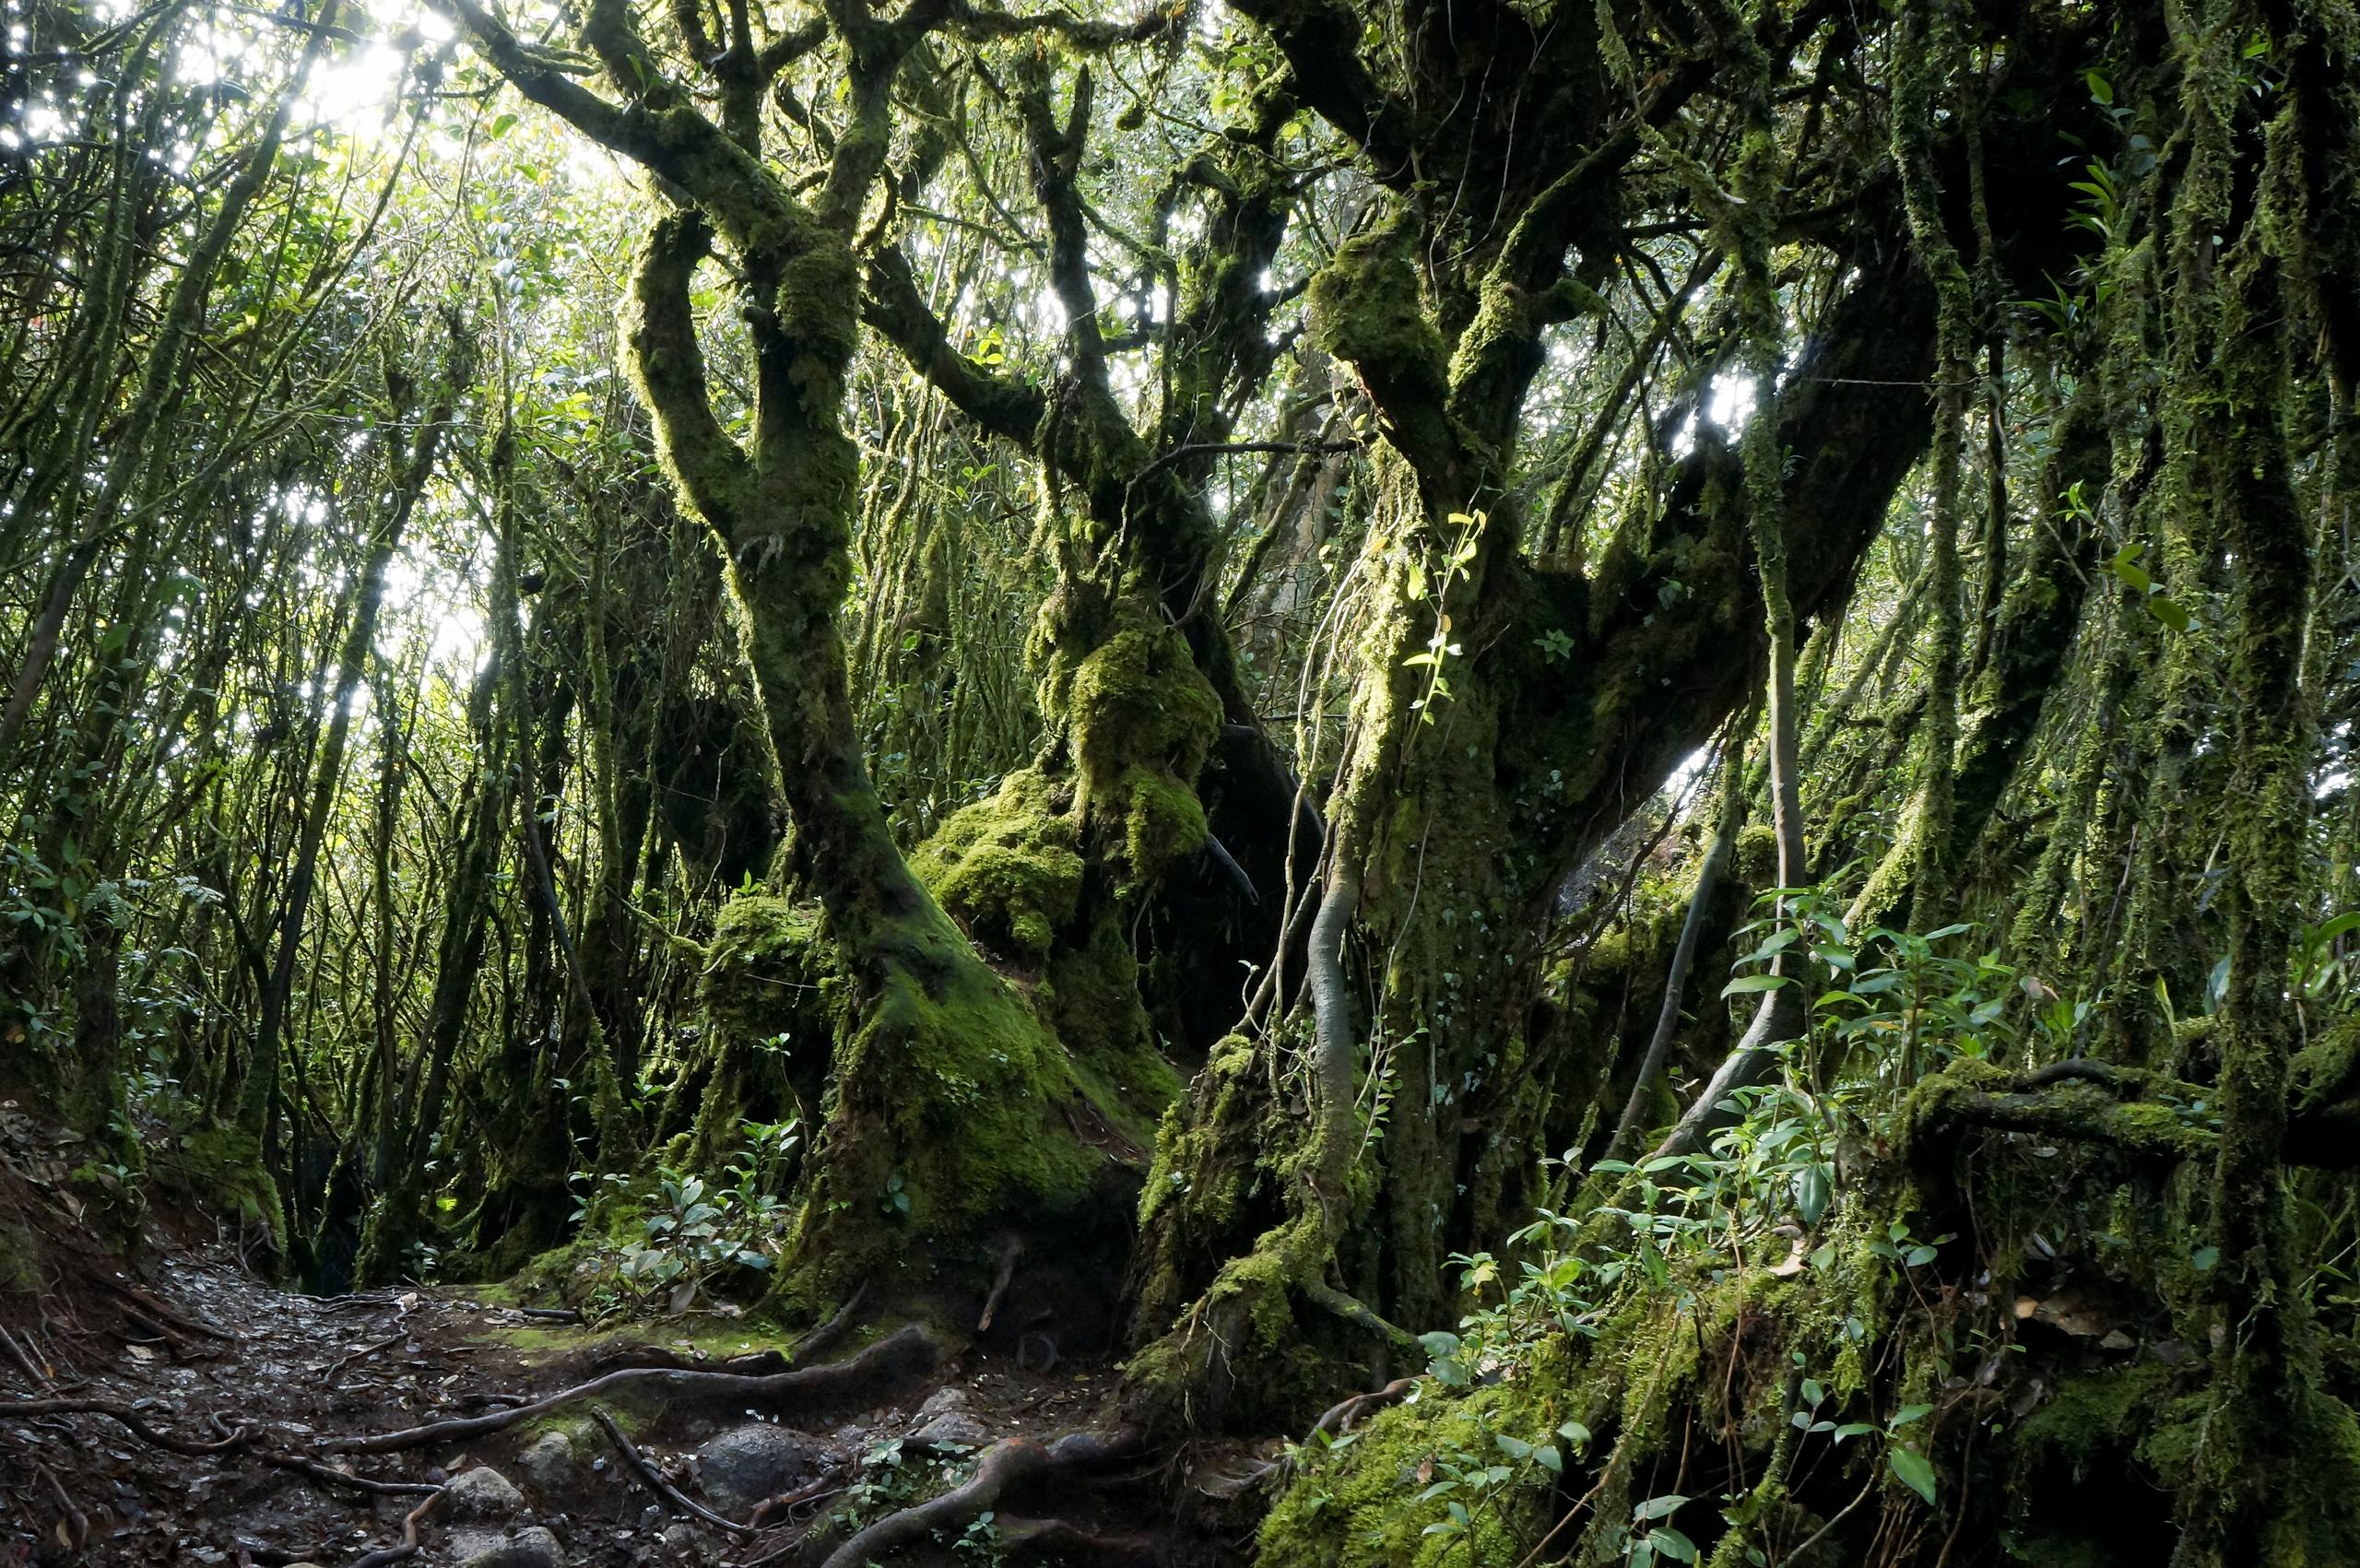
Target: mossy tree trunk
(950,1107)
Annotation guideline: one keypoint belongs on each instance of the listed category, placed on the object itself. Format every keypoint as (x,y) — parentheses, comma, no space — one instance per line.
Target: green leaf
(2168,612)
(1813,1191)
(1748,983)
(1671,1543)
(1914,1470)
(1662,1507)
(503,126)
(2203,1259)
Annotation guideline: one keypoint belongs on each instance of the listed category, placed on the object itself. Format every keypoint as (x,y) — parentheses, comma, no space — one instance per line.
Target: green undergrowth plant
(1782,1286)
(676,1237)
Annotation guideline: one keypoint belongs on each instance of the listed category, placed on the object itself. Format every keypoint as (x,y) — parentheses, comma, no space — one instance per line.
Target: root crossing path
(197,1414)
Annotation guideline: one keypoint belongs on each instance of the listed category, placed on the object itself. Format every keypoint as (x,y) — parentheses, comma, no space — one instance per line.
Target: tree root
(116,1411)
(1340,1416)
(1352,1310)
(408,1546)
(77,1524)
(908,1350)
(1010,1465)
(1069,1542)
(656,1483)
(825,1338)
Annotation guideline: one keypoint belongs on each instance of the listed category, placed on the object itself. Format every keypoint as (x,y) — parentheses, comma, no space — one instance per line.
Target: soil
(186,1336)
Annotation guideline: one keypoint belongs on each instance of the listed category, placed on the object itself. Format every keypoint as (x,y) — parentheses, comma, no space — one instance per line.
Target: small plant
(695,1231)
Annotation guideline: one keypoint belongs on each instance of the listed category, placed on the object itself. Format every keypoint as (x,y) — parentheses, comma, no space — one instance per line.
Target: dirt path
(267,1391)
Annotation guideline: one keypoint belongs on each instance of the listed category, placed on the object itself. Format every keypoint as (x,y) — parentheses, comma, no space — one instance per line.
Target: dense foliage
(1645,710)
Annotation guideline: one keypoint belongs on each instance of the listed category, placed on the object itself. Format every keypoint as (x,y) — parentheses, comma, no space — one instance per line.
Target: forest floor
(176,1406)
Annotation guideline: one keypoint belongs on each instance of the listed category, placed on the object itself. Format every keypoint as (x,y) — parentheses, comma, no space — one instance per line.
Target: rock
(679,1541)
(550,1463)
(482,1493)
(741,1469)
(532,1547)
(954,1427)
(651,1518)
(941,1402)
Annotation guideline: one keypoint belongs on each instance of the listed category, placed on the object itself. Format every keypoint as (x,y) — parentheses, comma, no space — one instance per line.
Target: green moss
(1143,721)
(1008,868)
(19,1259)
(2093,1414)
(1360,1506)
(222,1167)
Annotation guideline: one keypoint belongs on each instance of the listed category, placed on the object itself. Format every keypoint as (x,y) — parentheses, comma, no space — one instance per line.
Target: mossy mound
(1009,868)
(221,1167)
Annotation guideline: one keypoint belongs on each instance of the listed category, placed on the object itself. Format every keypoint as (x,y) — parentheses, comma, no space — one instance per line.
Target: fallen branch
(908,1349)
(1008,1257)
(656,1481)
(328,1374)
(2076,1100)
(826,1486)
(159,1309)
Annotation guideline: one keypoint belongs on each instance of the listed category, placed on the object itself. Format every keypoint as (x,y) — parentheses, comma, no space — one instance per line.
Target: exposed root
(1000,1282)
(662,1488)
(1339,1418)
(908,1350)
(825,1338)
(114,1411)
(1064,1541)
(408,1546)
(77,1524)
(1010,1465)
